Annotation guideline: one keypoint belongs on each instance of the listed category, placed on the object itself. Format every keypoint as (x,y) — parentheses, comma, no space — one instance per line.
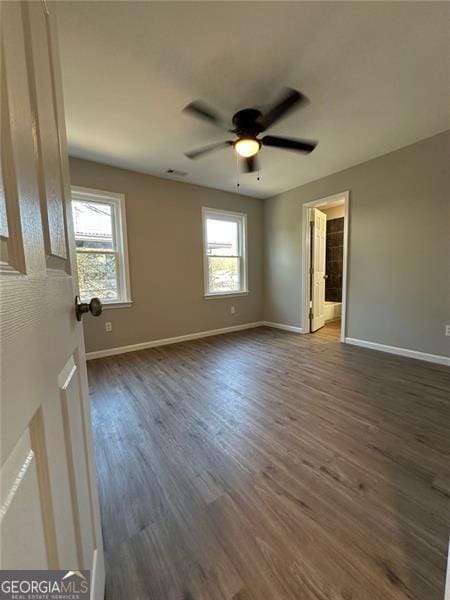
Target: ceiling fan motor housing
(246,123)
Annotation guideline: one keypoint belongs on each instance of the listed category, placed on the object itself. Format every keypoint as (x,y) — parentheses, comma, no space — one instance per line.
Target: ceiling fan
(247,124)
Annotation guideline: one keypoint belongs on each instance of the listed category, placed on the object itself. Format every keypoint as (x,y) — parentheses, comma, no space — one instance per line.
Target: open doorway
(325,253)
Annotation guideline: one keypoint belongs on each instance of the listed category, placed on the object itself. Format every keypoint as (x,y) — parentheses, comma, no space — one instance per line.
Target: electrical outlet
(447,330)
(108,326)
(232,310)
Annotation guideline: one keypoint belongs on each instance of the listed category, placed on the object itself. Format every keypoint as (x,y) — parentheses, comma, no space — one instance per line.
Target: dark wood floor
(266,465)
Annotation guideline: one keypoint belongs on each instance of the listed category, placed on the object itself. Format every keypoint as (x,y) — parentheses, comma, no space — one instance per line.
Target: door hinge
(311,270)
(311,313)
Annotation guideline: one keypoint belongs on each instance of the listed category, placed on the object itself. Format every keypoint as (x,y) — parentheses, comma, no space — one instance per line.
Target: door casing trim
(326,202)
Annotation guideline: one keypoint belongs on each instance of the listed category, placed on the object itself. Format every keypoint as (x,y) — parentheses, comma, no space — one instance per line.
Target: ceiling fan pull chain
(259,174)
(237,171)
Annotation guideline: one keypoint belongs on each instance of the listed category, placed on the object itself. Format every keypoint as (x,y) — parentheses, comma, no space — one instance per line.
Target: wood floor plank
(267,465)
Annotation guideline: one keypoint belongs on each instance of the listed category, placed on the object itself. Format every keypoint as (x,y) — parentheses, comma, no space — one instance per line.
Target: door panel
(318,246)
(17,146)
(11,244)
(46,467)
(39,447)
(21,510)
(41,87)
(76,459)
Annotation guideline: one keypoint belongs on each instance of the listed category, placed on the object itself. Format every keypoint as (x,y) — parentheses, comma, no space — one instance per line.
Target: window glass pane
(222,237)
(97,273)
(93,223)
(224,274)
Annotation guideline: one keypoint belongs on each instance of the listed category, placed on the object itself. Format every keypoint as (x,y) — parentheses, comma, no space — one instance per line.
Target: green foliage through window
(97,275)
(224,273)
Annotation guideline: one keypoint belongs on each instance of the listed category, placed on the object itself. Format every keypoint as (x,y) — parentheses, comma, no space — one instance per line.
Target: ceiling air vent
(176,172)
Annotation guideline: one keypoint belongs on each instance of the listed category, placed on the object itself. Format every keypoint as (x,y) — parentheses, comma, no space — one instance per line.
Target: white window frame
(241,220)
(120,239)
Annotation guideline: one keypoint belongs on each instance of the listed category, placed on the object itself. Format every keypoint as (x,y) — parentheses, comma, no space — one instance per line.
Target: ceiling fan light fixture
(247,147)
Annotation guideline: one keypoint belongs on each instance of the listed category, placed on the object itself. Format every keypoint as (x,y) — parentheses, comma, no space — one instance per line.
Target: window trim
(84,194)
(226,215)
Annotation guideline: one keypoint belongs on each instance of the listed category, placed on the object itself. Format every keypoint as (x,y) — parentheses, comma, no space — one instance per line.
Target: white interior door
(49,514)
(318,249)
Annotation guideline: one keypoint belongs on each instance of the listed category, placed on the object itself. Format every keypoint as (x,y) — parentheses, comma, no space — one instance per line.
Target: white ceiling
(377,75)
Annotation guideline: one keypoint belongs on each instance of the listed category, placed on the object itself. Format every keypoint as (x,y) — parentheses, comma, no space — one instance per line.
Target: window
(224,240)
(100,240)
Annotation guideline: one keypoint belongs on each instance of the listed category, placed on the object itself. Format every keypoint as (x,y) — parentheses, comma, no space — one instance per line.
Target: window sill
(125,304)
(226,294)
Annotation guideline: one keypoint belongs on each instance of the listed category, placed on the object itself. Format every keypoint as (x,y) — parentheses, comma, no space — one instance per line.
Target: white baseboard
(97,576)
(434,358)
(283,326)
(167,341)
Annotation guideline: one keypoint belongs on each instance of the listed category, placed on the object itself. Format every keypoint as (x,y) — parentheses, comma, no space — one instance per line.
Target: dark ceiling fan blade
(200,151)
(287,102)
(249,164)
(289,143)
(201,110)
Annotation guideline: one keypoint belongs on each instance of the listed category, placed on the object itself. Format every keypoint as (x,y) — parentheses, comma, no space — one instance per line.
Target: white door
(318,247)
(49,516)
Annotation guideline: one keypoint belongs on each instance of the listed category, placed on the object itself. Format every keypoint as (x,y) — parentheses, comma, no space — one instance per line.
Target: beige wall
(399,247)
(164,223)
(398,263)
